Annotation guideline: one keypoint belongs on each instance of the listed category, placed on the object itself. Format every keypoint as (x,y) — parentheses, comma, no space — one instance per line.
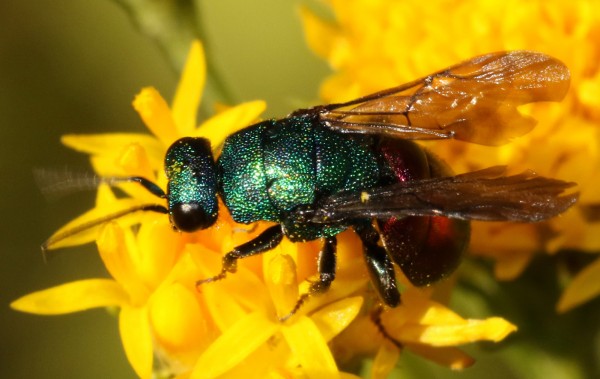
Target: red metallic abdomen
(427,248)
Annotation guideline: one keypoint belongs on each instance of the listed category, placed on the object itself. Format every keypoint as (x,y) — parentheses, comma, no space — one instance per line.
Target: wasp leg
(266,241)
(326,267)
(379,264)
(376,318)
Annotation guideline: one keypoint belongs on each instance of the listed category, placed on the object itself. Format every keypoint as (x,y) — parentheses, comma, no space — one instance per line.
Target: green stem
(173,25)
(215,81)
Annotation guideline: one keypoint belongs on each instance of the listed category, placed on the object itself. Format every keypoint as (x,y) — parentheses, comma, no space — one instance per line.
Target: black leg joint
(379,264)
(326,266)
(266,241)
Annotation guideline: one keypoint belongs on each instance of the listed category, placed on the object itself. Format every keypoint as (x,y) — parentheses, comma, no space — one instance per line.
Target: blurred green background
(73,67)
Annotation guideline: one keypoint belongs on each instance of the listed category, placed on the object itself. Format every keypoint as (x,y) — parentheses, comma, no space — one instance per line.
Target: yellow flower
(422,326)
(378,44)
(255,343)
(169,327)
(230,328)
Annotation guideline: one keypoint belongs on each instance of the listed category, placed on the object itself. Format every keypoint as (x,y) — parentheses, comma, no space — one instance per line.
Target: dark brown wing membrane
(474,101)
(487,195)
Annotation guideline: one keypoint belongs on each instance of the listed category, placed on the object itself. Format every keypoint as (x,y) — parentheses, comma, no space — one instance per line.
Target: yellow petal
(334,318)
(109,204)
(576,232)
(450,357)
(185,270)
(124,166)
(434,313)
(510,266)
(589,93)
(73,297)
(319,35)
(227,300)
(345,375)
(159,248)
(280,278)
(416,308)
(177,320)
(98,144)
(309,348)
(81,230)
(248,290)
(385,361)
(340,289)
(512,245)
(117,247)
(225,309)
(189,91)
(351,276)
(305,255)
(585,286)
(114,252)
(136,337)
(264,362)
(105,197)
(352,342)
(155,113)
(274,375)
(233,346)
(491,329)
(337,89)
(134,162)
(497,238)
(220,126)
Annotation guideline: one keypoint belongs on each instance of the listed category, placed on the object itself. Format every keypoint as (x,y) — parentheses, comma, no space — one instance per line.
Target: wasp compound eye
(189,217)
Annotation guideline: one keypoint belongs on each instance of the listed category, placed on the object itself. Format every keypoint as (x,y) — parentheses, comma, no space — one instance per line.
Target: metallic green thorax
(272,167)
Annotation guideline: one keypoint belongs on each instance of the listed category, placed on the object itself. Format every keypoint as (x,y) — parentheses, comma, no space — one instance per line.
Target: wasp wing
(474,101)
(487,194)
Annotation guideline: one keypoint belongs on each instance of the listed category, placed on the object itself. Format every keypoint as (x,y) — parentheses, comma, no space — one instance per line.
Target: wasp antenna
(47,245)
(152,187)
(55,183)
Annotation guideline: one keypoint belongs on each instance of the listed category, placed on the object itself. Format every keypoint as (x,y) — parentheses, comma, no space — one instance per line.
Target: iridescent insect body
(353,165)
